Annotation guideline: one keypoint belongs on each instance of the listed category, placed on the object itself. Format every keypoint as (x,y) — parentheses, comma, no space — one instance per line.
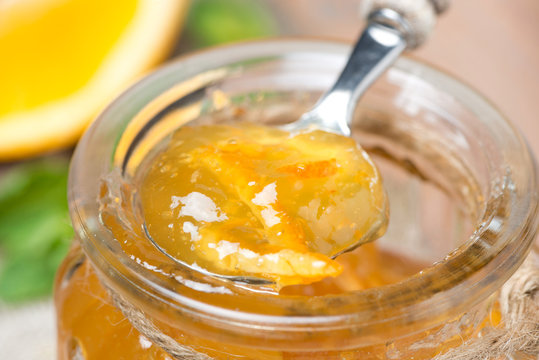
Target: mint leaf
(35,230)
(25,278)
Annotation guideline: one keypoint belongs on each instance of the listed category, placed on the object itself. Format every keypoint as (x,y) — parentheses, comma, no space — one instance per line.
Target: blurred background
(63,60)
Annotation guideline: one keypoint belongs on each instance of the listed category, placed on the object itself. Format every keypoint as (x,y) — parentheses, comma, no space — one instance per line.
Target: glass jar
(462,187)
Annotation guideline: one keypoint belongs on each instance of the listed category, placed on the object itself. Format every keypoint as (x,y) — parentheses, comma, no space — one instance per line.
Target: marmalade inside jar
(89,324)
(251,200)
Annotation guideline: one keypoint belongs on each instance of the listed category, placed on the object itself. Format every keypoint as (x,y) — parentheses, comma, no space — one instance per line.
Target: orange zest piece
(313,169)
(235,168)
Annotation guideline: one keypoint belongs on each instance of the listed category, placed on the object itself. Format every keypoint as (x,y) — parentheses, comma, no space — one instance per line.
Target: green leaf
(212,22)
(35,230)
(26,278)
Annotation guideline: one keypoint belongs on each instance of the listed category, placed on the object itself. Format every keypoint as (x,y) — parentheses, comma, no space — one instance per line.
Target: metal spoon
(380,44)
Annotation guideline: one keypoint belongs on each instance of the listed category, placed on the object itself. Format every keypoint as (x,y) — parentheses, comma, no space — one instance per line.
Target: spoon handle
(377,48)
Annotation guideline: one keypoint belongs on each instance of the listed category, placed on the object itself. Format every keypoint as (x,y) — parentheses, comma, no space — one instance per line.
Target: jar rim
(469,280)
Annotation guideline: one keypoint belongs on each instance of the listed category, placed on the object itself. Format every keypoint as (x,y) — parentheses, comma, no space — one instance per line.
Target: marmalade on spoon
(253,201)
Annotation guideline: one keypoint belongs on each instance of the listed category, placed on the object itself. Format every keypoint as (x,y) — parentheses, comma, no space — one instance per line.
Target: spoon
(388,33)
(380,44)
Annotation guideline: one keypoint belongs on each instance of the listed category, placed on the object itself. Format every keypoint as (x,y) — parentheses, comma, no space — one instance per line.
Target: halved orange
(63,60)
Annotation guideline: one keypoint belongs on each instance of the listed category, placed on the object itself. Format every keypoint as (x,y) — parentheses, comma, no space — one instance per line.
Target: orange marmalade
(249,200)
(89,324)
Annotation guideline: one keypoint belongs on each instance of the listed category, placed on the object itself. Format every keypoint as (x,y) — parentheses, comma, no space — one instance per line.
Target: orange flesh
(248,200)
(69,48)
